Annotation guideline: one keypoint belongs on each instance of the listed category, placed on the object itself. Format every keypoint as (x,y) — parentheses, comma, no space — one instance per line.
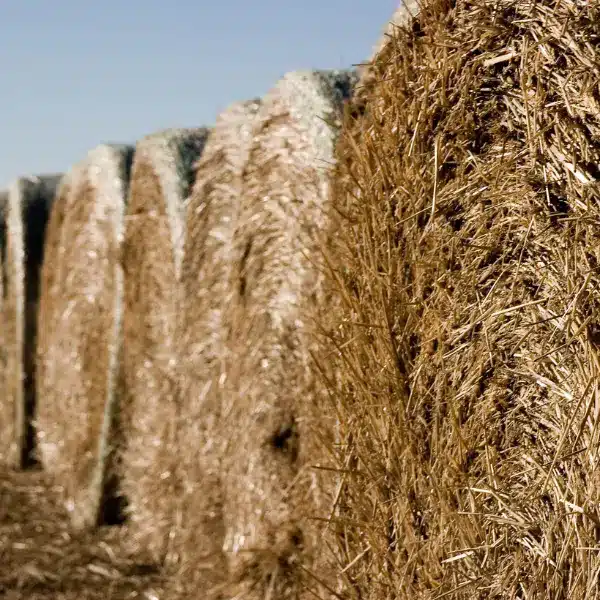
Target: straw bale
(162,177)
(196,512)
(465,322)
(269,487)
(28,204)
(78,420)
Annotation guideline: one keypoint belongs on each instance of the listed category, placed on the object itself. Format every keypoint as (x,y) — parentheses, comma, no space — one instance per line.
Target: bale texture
(402,16)
(78,419)
(28,204)
(196,515)
(273,497)
(466,326)
(162,177)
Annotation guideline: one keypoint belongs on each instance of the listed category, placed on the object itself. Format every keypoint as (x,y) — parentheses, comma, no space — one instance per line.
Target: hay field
(43,559)
(28,203)
(162,177)
(80,348)
(464,324)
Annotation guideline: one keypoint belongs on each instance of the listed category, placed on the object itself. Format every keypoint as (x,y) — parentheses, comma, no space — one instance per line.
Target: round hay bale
(210,224)
(467,275)
(162,177)
(78,420)
(27,209)
(48,290)
(270,488)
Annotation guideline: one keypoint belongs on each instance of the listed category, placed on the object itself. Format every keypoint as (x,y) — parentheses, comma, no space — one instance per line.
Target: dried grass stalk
(404,15)
(81,318)
(466,267)
(27,208)
(162,176)
(271,490)
(207,266)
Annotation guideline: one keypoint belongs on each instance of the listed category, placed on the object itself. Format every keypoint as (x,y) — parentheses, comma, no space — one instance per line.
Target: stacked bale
(260,394)
(26,212)
(162,177)
(467,271)
(79,351)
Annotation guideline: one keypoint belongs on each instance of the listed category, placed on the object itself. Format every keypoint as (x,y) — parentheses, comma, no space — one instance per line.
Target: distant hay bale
(28,203)
(196,511)
(162,177)
(466,262)
(82,288)
(263,409)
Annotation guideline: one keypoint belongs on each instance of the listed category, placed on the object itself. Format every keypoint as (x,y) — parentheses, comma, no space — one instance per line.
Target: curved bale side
(466,268)
(162,177)
(211,218)
(79,418)
(28,204)
(273,496)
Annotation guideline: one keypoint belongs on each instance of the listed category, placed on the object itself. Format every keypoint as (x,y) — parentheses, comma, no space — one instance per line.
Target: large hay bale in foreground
(264,405)
(162,176)
(466,267)
(196,513)
(27,208)
(82,314)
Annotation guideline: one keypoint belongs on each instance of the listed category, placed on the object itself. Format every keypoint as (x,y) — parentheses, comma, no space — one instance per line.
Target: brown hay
(162,176)
(81,341)
(210,223)
(466,267)
(262,409)
(27,208)
(403,15)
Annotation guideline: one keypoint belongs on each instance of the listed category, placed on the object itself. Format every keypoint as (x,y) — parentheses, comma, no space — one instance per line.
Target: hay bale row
(465,328)
(25,215)
(161,181)
(253,383)
(80,350)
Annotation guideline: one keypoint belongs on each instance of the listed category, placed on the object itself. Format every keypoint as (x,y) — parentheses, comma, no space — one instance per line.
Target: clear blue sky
(77,73)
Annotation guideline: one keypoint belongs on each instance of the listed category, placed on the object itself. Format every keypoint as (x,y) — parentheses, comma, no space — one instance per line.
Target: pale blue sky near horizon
(76,73)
